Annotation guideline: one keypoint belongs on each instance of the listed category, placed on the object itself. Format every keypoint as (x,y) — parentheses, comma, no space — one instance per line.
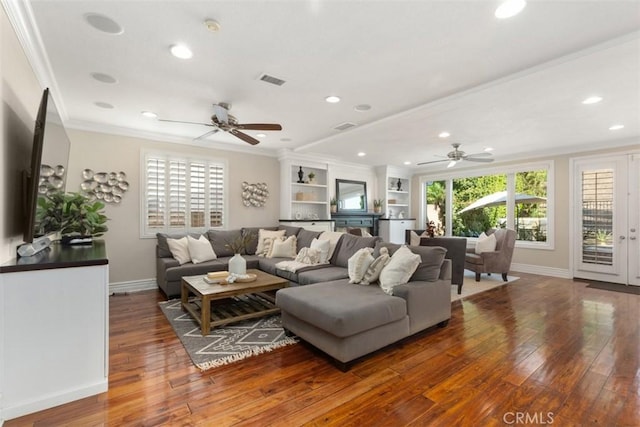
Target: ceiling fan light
(451,164)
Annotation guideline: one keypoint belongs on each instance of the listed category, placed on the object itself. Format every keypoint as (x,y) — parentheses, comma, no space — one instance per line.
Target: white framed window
(181,194)
(520,197)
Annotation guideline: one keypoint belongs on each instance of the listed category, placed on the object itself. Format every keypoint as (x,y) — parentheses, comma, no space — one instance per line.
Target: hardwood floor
(537,351)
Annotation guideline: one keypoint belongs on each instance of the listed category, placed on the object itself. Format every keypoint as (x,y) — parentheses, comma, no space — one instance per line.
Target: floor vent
(273,80)
(345,126)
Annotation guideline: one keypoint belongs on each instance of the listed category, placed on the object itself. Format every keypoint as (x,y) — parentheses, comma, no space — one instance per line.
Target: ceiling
(424,67)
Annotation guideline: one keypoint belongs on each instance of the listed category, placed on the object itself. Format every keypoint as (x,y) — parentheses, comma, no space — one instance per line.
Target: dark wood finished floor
(539,351)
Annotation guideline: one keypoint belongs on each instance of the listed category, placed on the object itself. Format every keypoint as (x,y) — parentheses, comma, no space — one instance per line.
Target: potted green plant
(377,205)
(334,205)
(312,177)
(74,215)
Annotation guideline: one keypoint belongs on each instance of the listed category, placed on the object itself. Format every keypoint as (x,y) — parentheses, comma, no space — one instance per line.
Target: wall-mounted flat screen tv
(49,161)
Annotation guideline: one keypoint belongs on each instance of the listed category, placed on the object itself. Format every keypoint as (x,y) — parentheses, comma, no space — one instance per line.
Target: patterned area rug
(471,287)
(225,344)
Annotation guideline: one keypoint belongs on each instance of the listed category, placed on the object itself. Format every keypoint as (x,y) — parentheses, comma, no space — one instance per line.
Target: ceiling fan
(456,155)
(222,120)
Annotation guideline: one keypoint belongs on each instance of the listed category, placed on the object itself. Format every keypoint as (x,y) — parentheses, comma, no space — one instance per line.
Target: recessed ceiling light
(509,8)
(407,163)
(103,23)
(181,51)
(616,127)
(488,149)
(149,114)
(105,105)
(104,78)
(212,25)
(362,154)
(332,99)
(362,107)
(444,135)
(261,135)
(592,100)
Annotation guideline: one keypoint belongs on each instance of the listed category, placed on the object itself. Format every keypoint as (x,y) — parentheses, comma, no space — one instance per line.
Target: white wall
(130,257)
(21,95)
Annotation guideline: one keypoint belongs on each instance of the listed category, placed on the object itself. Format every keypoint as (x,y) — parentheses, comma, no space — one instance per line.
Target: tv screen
(49,160)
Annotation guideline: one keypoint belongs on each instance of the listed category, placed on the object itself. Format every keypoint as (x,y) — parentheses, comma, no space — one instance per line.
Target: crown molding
(24,25)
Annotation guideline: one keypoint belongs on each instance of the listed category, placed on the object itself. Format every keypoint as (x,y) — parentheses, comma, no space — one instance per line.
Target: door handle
(622,237)
(632,238)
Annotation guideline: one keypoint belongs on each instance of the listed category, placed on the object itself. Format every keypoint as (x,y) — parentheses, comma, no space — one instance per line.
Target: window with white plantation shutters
(182,194)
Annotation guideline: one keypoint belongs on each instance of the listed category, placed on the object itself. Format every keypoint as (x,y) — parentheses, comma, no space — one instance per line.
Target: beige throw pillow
(179,249)
(322,246)
(200,249)
(264,234)
(414,239)
(486,243)
(359,263)
(400,268)
(283,248)
(332,237)
(373,272)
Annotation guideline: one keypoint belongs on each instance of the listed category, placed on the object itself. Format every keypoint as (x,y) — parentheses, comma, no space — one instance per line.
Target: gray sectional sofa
(345,321)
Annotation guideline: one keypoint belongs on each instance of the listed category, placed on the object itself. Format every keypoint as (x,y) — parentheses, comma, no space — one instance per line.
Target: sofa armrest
(428,303)
(162,265)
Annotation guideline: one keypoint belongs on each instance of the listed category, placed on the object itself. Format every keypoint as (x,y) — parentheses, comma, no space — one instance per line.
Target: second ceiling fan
(456,155)
(222,120)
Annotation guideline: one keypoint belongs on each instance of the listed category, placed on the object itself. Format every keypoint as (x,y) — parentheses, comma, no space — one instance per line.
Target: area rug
(471,287)
(225,344)
(616,287)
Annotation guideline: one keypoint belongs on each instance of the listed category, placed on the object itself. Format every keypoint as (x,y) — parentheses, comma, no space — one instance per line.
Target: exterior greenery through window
(480,203)
(182,194)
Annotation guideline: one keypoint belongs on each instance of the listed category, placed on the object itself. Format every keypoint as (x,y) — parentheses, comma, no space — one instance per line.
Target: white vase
(237,264)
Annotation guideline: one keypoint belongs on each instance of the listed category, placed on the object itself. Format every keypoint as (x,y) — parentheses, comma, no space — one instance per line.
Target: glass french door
(606,219)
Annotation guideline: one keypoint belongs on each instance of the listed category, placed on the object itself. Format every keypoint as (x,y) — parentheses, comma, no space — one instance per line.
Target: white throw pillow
(486,243)
(308,256)
(283,248)
(263,234)
(374,270)
(332,237)
(399,270)
(359,263)
(200,249)
(179,249)
(414,239)
(322,246)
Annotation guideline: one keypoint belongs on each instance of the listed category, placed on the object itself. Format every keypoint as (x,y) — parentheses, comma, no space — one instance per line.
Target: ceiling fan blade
(479,159)
(221,113)
(434,161)
(181,121)
(204,135)
(485,154)
(259,126)
(244,137)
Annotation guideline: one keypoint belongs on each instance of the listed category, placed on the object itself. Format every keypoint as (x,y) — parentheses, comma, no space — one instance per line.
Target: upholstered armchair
(456,248)
(498,261)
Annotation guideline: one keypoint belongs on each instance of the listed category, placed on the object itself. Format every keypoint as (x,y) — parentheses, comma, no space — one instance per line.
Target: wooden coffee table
(242,300)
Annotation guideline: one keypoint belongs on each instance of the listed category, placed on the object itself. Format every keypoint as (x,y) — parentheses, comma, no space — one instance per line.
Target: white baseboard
(132,286)
(46,402)
(562,273)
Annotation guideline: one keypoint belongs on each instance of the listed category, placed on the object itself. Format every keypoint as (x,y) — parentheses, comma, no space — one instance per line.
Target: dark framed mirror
(351,195)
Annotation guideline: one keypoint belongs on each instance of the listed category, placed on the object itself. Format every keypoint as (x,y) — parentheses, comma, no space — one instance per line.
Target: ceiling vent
(345,126)
(273,80)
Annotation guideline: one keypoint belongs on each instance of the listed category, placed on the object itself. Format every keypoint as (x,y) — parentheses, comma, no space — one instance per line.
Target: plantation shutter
(182,195)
